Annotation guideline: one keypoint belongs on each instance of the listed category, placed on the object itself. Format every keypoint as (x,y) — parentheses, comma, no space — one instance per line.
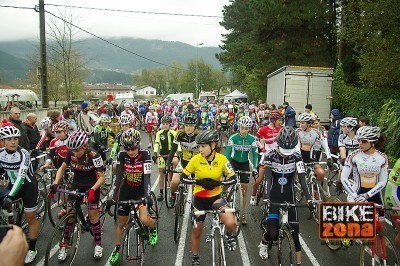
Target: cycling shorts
(211,203)
(149,127)
(126,194)
(242,166)
(83,189)
(29,193)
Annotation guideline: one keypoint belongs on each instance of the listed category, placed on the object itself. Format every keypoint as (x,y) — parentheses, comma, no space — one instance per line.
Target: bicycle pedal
(208,239)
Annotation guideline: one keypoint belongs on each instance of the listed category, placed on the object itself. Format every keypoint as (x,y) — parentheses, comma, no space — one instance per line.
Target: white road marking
(243,250)
(308,252)
(182,240)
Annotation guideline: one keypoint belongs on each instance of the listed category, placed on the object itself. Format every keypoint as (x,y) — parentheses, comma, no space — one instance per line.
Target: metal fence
(40,112)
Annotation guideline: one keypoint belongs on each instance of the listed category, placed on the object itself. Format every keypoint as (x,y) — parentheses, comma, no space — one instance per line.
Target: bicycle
(135,233)
(167,182)
(286,252)
(80,224)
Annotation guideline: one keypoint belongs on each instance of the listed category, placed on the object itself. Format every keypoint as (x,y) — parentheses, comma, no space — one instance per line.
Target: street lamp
(197,70)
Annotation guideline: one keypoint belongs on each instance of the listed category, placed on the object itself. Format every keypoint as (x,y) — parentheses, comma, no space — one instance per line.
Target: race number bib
(147,168)
(229,167)
(300,167)
(98,162)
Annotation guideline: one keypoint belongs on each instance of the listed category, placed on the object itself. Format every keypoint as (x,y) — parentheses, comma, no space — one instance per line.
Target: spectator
(54,116)
(15,114)
(115,110)
(65,108)
(83,119)
(363,121)
(289,115)
(308,109)
(14,247)
(273,107)
(121,107)
(32,130)
(334,131)
(69,118)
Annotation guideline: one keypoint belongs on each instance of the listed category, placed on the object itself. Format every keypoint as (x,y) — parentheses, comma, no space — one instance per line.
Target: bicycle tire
(299,191)
(167,190)
(54,207)
(154,211)
(236,201)
(333,245)
(219,251)
(57,237)
(132,248)
(393,257)
(42,209)
(260,192)
(179,210)
(284,256)
(316,197)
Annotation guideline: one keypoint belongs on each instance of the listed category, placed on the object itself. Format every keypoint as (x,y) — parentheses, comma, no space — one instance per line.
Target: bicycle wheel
(218,250)
(42,209)
(51,257)
(383,249)
(299,191)
(260,192)
(167,190)
(107,185)
(286,249)
(179,210)
(55,207)
(333,245)
(154,211)
(235,200)
(316,197)
(132,248)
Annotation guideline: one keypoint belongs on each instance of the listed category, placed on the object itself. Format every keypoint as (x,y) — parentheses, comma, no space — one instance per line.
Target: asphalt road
(169,253)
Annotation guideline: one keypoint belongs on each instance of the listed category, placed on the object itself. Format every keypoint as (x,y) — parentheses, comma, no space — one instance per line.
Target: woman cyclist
(162,146)
(88,169)
(222,124)
(15,162)
(317,148)
(125,123)
(207,167)
(347,140)
(100,135)
(281,164)
(151,122)
(46,134)
(132,183)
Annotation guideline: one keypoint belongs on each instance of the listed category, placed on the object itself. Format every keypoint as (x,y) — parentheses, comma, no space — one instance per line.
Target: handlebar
(172,171)
(287,205)
(228,210)
(126,202)
(195,181)
(72,192)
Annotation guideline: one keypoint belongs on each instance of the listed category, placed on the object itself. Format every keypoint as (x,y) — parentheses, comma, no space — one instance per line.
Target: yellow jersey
(201,168)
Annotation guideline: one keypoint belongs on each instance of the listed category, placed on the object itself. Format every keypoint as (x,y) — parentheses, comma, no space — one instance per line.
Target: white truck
(180,97)
(128,97)
(207,96)
(301,85)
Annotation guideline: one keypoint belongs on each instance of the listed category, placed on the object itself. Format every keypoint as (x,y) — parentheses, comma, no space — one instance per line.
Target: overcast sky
(20,24)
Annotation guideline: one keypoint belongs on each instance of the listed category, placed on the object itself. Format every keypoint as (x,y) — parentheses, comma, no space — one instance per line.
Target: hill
(103,56)
(11,67)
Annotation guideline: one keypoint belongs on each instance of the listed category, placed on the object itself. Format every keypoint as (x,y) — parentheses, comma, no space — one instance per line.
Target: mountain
(103,56)
(11,67)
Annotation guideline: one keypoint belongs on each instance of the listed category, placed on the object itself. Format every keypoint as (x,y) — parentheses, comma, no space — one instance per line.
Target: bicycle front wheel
(69,239)
(235,200)
(167,190)
(286,249)
(380,251)
(333,245)
(299,191)
(179,210)
(132,248)
(218,250)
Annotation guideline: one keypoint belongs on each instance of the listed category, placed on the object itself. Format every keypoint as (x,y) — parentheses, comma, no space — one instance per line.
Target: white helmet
(125,119)
(77,139)
(46,123)
(369,133)
(9,132)
(245,121)
(349,122)
(305,117)
(127,105)
(93,119)
(230,106)
(105,118)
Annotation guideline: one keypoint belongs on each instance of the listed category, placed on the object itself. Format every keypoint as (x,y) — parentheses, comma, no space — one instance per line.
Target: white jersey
(350,144)
(151,118)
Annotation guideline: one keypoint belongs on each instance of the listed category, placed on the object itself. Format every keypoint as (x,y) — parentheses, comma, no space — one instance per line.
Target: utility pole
(197,94)
(43,61)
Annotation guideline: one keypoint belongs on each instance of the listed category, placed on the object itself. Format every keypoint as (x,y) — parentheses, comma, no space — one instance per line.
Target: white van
(179,97)
(128,97)
(207,96)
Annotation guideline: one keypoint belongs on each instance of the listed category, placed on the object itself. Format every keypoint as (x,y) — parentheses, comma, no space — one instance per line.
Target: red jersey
(269,135)
(58,151)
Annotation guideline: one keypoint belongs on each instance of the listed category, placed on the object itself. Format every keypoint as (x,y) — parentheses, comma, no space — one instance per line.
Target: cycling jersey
(370,173)
(151,118)
(164,139)
(100,135)
(45,140)
(350,144)
(269,133)
(201,168)
(117,144)
(239,148)
(307,139)
(85,168)
(187,143)
(223,119)
(58,152)
(392,192)
(205,120)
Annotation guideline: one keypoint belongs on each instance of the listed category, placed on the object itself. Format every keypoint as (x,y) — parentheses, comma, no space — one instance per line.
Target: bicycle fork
(211,238)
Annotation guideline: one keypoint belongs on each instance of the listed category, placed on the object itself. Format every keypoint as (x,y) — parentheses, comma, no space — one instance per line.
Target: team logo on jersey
(282,181)
(214,164)
(162,137)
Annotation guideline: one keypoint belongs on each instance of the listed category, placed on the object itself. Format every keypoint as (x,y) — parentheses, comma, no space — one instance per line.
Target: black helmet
(190,118)
(287,140)
(166,119)
(207,136)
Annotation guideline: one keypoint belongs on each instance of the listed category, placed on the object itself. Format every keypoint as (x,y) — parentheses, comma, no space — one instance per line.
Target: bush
(389,122)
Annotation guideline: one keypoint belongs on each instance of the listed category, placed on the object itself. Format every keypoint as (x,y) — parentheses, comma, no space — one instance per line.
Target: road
(169,253)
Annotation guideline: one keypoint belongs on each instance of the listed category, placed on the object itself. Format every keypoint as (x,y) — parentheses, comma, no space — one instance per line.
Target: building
(145,91)
(103,89)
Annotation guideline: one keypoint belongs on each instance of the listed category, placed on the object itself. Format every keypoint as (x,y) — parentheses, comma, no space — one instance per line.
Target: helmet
(207,136)
(130,138)
(251,107)
(305,117)
(46,123)
(62,125)
(9,132)
(349,122)
(369,133)
(105,118)
(127,105)
(261,105)
(125,119)
(77,139)
(287,140)
(245,121)
(223,107)
(230,106)
(93,119)
(151,107)
(166,119)
(204,105)
(169,109)
(316,118)
(274,115)
(189,118)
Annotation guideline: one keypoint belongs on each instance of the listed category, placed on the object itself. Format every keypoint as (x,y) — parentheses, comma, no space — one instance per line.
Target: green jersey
(239,148)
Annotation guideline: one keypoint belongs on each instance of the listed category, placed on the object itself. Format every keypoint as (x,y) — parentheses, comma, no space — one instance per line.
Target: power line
(113,44)
(18,7)
(136,11)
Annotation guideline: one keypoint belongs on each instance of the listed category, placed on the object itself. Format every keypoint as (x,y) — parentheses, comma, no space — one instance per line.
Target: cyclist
(151,122)
(15,162)
(206,117)
(307,138)
(368,166)
(239,147)
(207,167)
(281,165)
(392,198)
(267,140)
(46,134)
(125,123)
(58,151)
(222,124)
(132,183)
(347,140)
(189,148)
(162,146)
(317,148)
(88,169)
(100,135)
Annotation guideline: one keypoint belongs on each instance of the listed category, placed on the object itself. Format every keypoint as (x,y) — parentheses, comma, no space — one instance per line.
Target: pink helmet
(77,139)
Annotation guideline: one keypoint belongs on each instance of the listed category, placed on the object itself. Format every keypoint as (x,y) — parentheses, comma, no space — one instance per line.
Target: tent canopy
(235,95)
(18,95)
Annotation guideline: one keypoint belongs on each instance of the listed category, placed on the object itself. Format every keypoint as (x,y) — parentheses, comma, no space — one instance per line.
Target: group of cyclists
(188,139)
